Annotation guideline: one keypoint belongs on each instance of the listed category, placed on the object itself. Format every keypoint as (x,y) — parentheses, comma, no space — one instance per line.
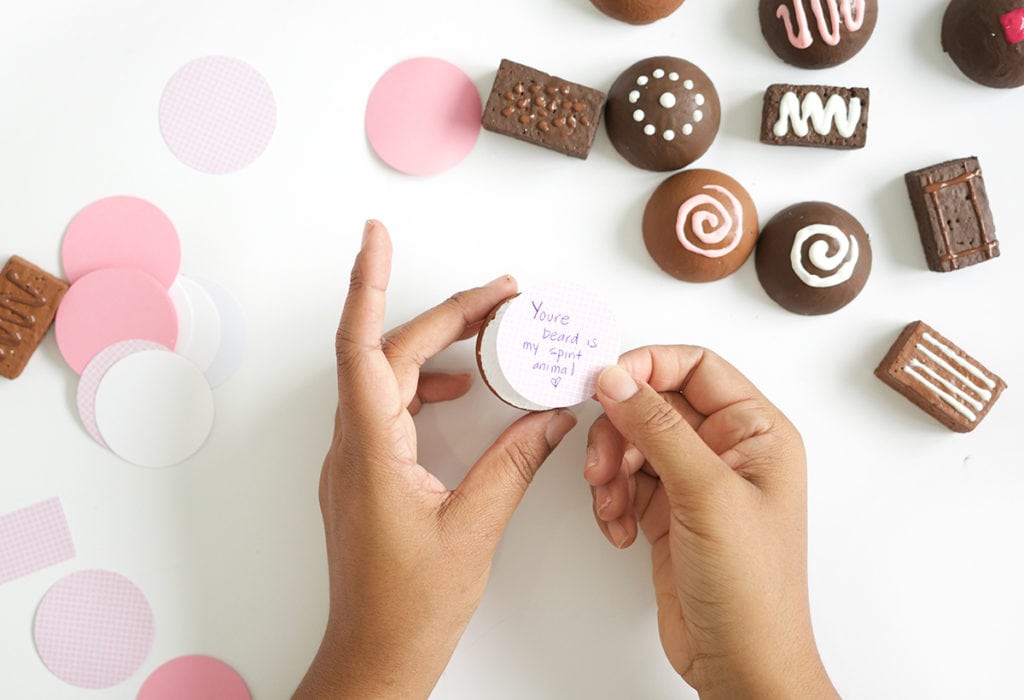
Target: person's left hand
(408,559)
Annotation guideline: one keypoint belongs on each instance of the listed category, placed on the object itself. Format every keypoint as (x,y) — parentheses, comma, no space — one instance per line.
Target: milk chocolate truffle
(637,11)
(700,225)
(813,258)
(985,39)
(662,113)
(817,33)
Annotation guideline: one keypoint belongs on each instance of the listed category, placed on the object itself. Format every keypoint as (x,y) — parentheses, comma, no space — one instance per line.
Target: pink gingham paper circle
(94,629)
(217,114)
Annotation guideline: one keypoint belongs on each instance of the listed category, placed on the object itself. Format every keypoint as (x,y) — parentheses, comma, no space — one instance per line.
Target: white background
(915,554)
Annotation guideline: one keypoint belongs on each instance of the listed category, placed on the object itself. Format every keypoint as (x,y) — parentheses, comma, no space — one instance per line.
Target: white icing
(948,398)
(953,388)
(687,129)
(639,115)
(821,115)
(673,76)
(669,135)
(841,263)
(699,99)
(698,116)
(667,100)
(948,352)
(658,73)
(642,80)
(650,130)
(711,222)
(688,84)
(634,97)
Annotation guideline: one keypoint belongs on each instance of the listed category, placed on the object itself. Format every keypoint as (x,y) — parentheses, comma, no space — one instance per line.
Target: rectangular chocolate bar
(815,115)
(940,378)
(953,215)
(541,109)
(28,303)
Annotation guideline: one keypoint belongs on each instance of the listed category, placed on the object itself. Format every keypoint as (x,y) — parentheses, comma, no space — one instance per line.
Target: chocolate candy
(662,114)
(815,115)
(29,298)
(953,215)
(544,110)
(637,11)
(985,39)
(813,258)
(700,225)
(817,33)
(940,378)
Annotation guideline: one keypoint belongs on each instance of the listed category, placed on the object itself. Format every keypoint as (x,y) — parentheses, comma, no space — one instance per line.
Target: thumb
(493,488)
(690,470)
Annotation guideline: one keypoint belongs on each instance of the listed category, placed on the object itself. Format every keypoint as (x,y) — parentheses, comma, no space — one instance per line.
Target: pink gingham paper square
(32,539)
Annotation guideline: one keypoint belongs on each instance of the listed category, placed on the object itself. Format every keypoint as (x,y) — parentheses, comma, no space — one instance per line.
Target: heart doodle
(555,381)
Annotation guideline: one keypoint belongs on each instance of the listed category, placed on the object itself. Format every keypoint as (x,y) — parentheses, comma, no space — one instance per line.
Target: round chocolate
(985,39)
(813,258)
(637,11)
(818,33)
(662,113)
(700,225)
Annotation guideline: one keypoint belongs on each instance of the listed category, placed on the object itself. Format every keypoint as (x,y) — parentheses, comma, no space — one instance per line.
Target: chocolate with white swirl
(813,258)
(700,225)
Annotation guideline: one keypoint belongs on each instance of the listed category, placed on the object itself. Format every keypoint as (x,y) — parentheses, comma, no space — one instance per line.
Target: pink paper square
(32,539)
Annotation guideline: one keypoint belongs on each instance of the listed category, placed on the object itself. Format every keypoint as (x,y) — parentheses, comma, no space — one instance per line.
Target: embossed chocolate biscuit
(940,378)
(953,214)
(815,115)
(542,109)
(29,298)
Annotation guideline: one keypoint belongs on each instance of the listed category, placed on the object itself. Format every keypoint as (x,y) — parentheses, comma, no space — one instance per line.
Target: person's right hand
(716,477)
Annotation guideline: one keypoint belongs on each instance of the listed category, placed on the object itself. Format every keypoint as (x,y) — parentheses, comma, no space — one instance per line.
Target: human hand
(715,476)
(408,559)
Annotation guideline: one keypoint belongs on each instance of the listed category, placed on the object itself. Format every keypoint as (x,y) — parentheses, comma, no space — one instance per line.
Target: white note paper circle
(201,340)
(233,334)
(154,408)
(553,342)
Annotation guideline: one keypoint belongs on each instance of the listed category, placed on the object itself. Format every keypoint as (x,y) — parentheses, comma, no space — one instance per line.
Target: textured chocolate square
(815,115)
(28,303)
(940,378)
(953,215)
(545,110)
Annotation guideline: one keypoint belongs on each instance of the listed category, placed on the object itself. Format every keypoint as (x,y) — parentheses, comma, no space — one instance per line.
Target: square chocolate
(953,215)
(28,304)
(545,110)
(815,115)
(940,378)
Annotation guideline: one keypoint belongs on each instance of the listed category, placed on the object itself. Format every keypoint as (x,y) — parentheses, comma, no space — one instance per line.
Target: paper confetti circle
(423,116)
(94,629)
(553,342)
(194,678)
(233,334)
(199,339)
(217,114)
(121,232)
(154,408)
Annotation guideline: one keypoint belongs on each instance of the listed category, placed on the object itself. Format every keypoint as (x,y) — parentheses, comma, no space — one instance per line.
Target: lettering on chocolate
(841,13)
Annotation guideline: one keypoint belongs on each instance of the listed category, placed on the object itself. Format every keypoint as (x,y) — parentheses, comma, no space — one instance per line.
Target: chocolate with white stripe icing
(940,378)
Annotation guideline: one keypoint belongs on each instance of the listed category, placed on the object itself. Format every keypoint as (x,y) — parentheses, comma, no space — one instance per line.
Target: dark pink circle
(110,306)
(423,116)
(122,232)
(93,629)
(195,678)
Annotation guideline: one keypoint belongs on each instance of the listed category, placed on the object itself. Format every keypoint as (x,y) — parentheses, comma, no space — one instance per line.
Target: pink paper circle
(217,114)
(110,306)
(121,232)
(94,629)
(92,375)
(194,678)
(423,116)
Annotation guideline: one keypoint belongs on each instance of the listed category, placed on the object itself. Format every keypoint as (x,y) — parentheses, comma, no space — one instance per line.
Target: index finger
(706,381)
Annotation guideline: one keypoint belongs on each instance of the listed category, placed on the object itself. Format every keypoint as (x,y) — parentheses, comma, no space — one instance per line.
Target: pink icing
(801,38)
(1013,25)
(710,222)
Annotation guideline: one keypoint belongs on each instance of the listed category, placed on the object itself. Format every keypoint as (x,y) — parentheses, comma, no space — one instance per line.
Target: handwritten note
(553,341)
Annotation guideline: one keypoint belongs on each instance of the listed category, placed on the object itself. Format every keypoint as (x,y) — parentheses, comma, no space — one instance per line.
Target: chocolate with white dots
(663,113)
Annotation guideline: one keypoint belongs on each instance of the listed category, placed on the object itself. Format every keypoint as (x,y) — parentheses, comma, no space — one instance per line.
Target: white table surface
(915,532)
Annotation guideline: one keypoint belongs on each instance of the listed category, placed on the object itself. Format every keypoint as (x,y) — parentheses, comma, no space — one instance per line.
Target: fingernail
(617,383)
(591,458)
(498,281)
(558,427)
(366,231)
(602,498)
(618,534)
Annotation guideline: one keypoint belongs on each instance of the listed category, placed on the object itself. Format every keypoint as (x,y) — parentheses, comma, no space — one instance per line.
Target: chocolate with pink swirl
(700,225)
(817,33)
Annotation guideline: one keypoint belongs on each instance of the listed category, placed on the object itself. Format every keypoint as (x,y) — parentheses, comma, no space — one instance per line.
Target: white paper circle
(183,306)
(554,341)
(202,343)
(154,408)
(233,334)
